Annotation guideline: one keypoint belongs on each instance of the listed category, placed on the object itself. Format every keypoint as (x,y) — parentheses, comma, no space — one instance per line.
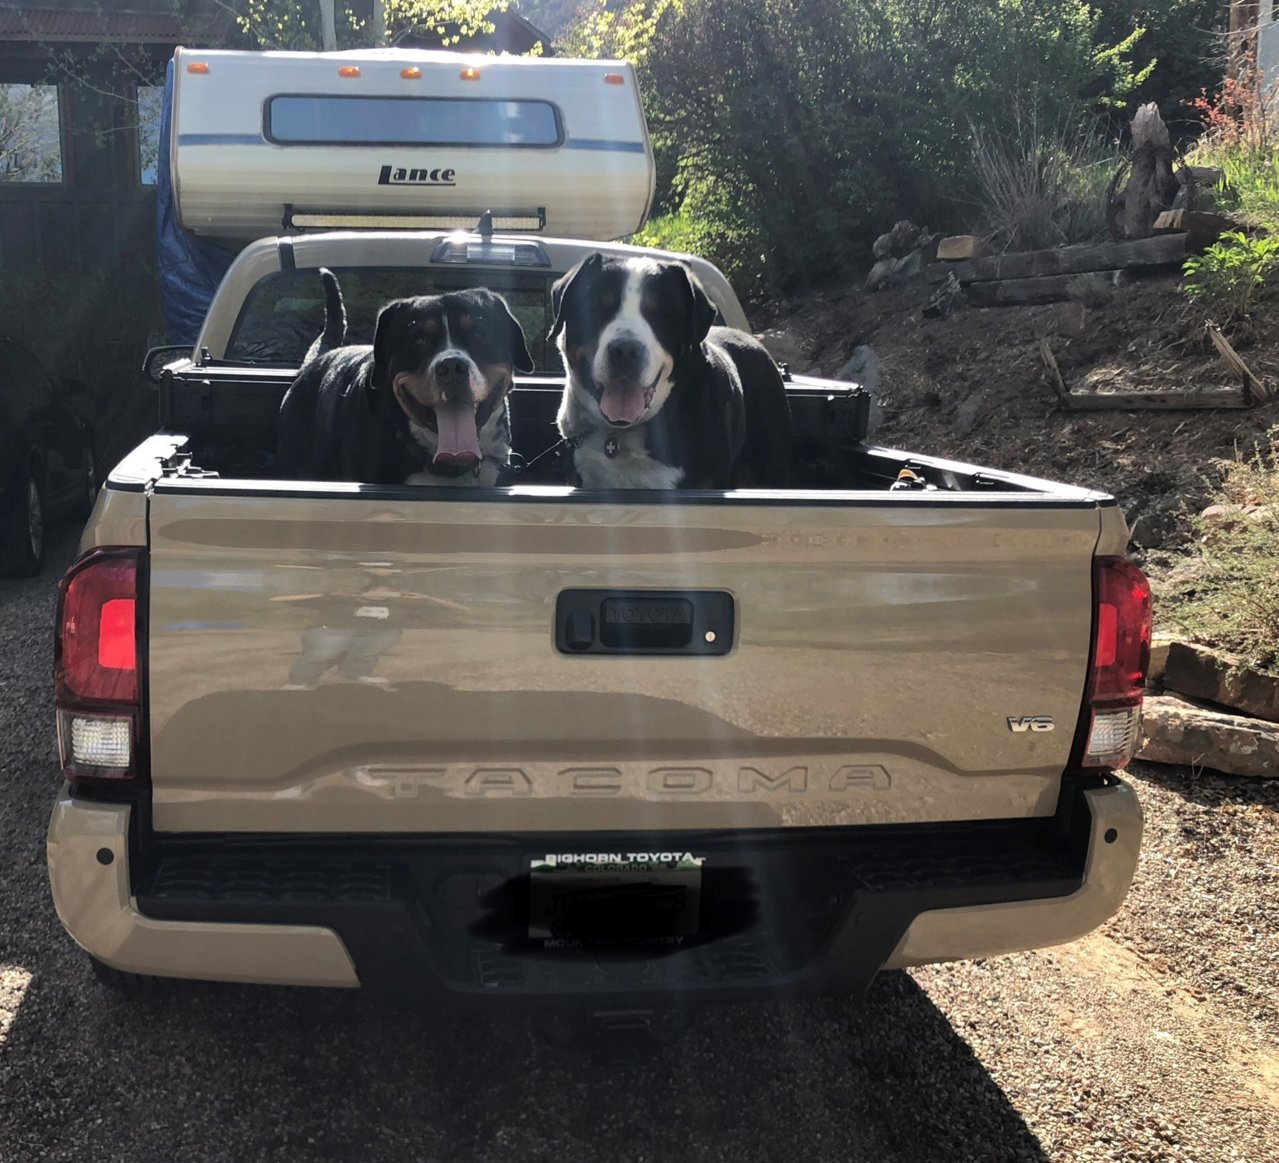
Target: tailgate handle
(692,622)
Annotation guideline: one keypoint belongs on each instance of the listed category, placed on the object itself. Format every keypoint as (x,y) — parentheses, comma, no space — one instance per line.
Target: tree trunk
(1152,186)
(328,26)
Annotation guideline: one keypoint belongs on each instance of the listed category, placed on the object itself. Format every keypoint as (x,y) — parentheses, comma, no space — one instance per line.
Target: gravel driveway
(1157,1038)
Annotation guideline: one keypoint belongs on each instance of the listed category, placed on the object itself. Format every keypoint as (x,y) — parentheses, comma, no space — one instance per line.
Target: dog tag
(610,447)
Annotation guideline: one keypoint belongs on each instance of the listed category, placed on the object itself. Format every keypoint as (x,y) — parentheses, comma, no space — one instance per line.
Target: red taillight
(96,666)
(1122,622)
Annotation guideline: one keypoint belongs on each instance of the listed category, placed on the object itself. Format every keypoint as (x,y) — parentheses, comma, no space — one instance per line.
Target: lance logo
(414,176)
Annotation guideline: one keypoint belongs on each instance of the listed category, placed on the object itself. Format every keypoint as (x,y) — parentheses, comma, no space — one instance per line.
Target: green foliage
(1043,185)
(1179,52)
(1228,594)
(808,126)
(1241,137)
(1251,182)
(1225,277)
(286,24)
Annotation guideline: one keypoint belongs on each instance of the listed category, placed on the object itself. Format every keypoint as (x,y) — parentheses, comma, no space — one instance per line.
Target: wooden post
(379,22)
(1241,47)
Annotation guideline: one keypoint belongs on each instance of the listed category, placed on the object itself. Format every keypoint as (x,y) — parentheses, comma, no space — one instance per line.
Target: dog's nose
(452,375)
(625,358)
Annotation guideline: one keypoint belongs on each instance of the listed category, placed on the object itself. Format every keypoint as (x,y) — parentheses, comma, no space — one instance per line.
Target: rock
(1215,677)
(1175,731)
(909,266)
(958,247)
(904,237)
(862,368)
(1153,528)
(1222,516)
(967,413)
(879,273)
(1072,320)
(1159,647)
(783,346)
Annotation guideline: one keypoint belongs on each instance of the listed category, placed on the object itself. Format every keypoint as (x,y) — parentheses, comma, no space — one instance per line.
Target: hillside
(973,387)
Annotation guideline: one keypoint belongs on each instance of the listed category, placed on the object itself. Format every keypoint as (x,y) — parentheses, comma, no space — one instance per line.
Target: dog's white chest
(607,459)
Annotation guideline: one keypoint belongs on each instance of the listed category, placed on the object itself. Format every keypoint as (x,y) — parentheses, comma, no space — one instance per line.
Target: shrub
(1225,277)
(1241,137)
(1229,595)
(1043,186)
(811,125)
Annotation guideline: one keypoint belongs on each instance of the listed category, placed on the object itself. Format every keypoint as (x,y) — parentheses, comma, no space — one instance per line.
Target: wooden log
(1055,381)
(1232,360)
(1160,251)
(1203,227)
(962,246)
(1028,292)
(1192,399)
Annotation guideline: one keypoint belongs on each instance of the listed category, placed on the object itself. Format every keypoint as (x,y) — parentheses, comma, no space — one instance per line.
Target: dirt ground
(973,386)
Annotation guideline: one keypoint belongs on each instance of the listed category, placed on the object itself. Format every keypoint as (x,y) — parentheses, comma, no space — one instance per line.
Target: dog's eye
(608,300)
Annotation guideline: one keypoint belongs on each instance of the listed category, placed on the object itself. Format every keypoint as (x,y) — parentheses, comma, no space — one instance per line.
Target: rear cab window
(284,313)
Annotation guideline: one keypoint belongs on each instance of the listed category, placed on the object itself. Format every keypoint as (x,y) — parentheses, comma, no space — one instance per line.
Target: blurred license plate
(614,898)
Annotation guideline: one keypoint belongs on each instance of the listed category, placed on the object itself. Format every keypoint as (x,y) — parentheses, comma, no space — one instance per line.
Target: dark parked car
(47,467)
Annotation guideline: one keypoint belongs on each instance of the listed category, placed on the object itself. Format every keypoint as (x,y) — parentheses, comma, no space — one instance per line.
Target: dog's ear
(565,289)
(390,325)
(701,315)
(521,361)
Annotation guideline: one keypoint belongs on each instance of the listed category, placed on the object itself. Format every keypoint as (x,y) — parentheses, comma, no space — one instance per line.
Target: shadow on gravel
(1208,788)
(225,1072)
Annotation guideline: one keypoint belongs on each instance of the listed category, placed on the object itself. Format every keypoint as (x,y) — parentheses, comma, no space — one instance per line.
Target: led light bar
(519,222)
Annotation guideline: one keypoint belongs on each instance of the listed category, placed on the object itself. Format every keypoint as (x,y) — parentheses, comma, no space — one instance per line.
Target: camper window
(326,120)
(284,313)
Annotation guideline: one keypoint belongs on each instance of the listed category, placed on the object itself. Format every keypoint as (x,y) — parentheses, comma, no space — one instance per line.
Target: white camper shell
(273,142)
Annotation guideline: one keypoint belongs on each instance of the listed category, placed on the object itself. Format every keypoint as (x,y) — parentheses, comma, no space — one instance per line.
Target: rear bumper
(783,912)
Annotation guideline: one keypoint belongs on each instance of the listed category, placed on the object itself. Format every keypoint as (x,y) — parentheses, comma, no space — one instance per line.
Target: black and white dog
(425,404)
(656,397)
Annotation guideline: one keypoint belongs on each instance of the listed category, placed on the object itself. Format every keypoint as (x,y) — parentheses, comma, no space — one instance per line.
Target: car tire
(22,523)
(138,985)
(89,487)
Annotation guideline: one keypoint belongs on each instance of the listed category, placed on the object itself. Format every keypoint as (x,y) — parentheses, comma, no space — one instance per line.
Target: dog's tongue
(622,404)
(459,439)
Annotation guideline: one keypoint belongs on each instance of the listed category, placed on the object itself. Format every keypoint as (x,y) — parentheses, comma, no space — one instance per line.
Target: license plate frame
(614,900)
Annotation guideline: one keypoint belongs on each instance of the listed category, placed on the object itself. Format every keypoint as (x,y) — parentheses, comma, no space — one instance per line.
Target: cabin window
(323,120)
(150,99)
(30,134)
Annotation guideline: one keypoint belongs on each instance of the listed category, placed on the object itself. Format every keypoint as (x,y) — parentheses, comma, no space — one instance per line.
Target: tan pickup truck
(536,742)
(331,734)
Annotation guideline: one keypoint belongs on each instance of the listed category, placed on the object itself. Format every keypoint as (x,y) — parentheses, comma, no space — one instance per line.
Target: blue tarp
(190,268)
